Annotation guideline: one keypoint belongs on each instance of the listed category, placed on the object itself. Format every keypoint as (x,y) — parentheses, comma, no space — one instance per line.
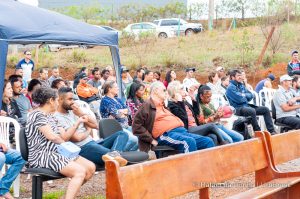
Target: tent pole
(117,65)
(3,58)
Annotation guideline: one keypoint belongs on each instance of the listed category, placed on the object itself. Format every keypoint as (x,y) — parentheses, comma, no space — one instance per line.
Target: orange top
(191,119)
(164,121)
(86,90)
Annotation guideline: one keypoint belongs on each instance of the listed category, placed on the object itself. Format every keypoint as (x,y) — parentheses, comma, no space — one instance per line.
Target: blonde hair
(155,85)
(173,88)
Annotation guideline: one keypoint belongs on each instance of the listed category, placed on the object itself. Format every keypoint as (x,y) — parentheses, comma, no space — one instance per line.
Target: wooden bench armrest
(283,174)
(268,188)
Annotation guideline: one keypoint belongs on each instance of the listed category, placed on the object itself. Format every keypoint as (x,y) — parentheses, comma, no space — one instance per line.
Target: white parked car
(175,23)
(146,27)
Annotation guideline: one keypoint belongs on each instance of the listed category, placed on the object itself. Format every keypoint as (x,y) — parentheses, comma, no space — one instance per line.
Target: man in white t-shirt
(189,81)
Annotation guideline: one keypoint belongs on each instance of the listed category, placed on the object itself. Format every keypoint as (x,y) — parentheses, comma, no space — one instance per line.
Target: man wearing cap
(126,81)
(220,71)
(85,91)
(293,67)
(267,83)
(285,103)
(189,81)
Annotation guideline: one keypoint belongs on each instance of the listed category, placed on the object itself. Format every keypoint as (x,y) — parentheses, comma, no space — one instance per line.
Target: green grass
(53,195)
(59,194)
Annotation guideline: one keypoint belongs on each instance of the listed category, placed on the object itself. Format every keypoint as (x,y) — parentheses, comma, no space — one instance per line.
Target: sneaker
(114,155)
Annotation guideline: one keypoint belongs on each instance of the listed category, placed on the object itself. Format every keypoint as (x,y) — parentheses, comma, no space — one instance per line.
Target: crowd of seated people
(150,111)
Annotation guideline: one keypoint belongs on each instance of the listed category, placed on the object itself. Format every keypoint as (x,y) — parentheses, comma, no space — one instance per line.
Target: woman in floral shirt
(112,107)
(135,99)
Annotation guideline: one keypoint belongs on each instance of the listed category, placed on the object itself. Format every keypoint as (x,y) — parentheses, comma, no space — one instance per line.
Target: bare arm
(50,135)
(67,134)
(287,108)
(79,136)
(268,84)
(89,121)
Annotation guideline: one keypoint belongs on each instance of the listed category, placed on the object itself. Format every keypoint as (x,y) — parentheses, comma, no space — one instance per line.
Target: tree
(84,12)
(90,12)
(239,6)
(196,10)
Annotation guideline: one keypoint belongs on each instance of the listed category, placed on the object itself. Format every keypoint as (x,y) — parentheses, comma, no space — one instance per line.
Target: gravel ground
(95,188)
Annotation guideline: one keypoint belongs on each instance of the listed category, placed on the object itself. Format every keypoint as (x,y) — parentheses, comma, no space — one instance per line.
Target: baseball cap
(124,69)
(83,76)
(219,68)
(294,51)
(285,78)
(190,68)
(271,77)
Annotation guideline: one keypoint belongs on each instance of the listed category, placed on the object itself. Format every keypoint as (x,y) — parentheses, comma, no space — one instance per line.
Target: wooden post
(261,56)
(210,14)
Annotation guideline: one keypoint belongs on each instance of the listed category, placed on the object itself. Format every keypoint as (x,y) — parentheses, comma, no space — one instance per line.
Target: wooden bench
(283,147)
(184,173)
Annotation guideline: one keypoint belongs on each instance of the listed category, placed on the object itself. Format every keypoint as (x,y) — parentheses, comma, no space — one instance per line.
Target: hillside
(240,47)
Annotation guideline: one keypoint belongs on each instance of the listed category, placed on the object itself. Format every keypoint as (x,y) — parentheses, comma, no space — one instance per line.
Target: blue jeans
(229,135)
(94,151)
(183,141)
(132,144)
(13,158)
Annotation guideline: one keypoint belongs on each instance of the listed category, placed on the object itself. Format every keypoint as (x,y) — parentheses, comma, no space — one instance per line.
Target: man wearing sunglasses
(27,65)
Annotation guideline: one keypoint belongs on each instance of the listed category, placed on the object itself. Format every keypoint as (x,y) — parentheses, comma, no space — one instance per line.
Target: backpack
(242,125)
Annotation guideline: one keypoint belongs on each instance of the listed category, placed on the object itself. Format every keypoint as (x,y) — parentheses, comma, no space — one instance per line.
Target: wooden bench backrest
(285,147)
(180,174)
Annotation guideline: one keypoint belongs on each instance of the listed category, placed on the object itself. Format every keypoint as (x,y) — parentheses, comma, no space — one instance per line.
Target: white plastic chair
(218,100)
(266,96)
(4,138)
(256,99)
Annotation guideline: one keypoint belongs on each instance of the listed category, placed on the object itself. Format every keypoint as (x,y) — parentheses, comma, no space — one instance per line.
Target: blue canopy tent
(24,24)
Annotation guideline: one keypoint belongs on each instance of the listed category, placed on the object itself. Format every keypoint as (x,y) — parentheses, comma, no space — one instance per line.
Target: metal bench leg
(37,187)
(33,192)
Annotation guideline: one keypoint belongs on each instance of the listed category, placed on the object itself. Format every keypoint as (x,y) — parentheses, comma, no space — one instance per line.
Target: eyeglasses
(28,54)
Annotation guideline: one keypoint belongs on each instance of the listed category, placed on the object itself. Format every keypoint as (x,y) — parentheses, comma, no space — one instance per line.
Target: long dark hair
(132,92)
(168,76)
(201,91)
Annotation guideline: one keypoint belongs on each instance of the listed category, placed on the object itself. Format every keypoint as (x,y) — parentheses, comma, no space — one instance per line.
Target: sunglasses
(28,54)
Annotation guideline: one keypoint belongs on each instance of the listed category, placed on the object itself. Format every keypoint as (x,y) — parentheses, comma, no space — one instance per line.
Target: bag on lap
(68,149)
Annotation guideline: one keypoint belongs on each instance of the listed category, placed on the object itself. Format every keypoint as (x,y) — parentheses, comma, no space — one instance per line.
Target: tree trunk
(243,13)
